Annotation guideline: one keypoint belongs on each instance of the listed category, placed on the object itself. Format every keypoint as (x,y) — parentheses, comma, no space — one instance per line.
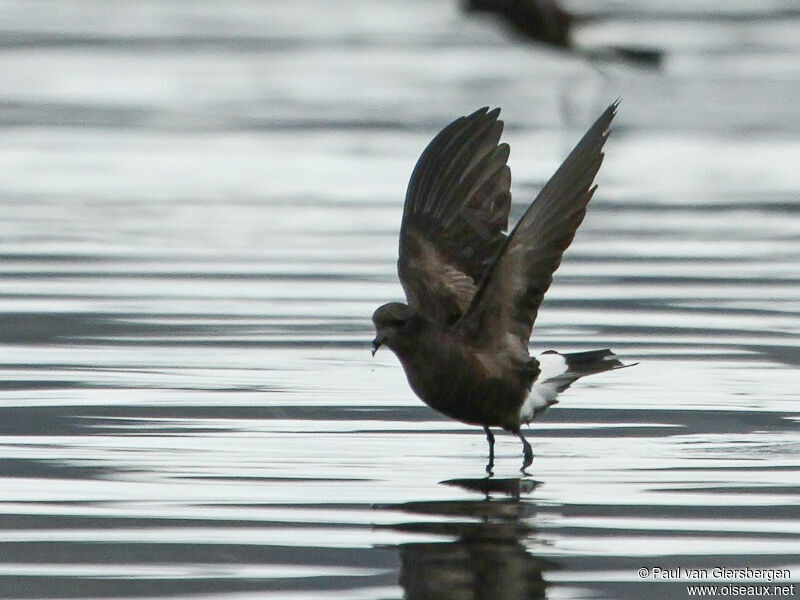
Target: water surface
(200,213)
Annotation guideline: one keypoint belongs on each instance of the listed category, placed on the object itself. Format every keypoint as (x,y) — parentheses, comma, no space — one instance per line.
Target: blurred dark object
(540,20)
(546,22)
(642,56)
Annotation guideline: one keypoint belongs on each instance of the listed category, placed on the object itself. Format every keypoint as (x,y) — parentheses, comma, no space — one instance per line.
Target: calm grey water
(200,203)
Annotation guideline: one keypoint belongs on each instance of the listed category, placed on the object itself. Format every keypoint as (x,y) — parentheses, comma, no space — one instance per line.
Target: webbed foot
(527,451)
(490,439)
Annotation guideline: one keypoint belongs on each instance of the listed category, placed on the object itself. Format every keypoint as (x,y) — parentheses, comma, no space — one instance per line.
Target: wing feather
(505,307)
(454,217)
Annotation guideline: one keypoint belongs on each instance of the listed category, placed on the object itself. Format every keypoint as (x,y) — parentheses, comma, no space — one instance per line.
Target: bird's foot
(527,452)
(490,439)
(527,457)
(527,461)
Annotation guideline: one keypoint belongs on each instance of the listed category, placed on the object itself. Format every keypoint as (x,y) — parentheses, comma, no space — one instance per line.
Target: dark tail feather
(592,361)
(634,55)
(646,57)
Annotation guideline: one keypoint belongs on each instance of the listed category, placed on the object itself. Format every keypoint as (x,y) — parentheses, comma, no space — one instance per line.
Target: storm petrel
(473,291)
(547,22)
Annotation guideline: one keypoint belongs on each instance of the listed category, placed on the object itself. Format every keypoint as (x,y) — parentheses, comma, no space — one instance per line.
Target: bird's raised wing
(455,213)
(503,310)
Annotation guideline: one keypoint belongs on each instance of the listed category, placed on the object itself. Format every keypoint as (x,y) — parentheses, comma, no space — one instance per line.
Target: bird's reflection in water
(487,559)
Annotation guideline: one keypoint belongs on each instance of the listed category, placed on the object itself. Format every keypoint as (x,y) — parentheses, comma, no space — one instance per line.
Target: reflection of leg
(490,439)
(527,452)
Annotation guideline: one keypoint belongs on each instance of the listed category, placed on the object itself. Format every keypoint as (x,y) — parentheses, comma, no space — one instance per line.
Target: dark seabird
(473,292)
(547,22)
(542,21)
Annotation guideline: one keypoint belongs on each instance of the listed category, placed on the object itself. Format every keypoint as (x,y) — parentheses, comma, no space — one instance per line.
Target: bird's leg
(527,452)
(490,439)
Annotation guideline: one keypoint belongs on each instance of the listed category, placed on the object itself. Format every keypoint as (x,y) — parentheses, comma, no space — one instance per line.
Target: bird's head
(390,321)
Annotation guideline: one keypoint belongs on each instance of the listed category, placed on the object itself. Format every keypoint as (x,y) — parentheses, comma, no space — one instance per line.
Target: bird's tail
(593,361)
(558,371)
(572,366)
(640,56)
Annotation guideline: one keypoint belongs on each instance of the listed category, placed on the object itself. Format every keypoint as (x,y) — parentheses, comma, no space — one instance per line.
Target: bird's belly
(462,391)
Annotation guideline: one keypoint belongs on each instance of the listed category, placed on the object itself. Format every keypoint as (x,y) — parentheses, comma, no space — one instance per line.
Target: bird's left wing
(504,309)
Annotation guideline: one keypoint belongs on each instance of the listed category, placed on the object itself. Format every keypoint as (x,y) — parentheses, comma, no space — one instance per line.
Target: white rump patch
(545,389)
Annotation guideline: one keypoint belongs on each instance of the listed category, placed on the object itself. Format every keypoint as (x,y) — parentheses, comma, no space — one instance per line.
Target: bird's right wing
(504,309)
(455,215)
